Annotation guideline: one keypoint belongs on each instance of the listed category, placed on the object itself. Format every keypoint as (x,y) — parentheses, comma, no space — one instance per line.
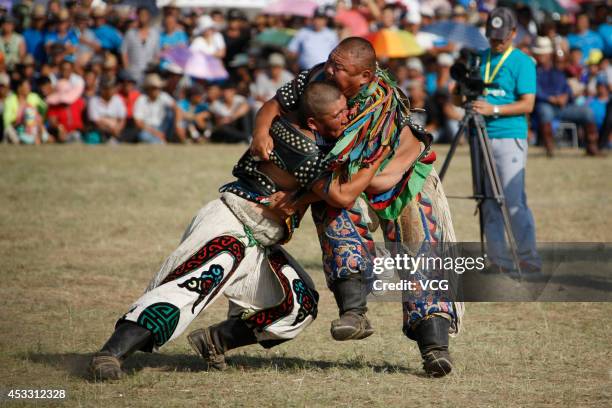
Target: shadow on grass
(76,364)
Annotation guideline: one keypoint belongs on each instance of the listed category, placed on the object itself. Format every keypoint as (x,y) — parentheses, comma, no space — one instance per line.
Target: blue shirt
(599,108)
(35,43)
(173,40)
(516,77)
(551,82)
(587,41)
(108,37)
(70,38)
(605,31)
(186,106)
(312,46)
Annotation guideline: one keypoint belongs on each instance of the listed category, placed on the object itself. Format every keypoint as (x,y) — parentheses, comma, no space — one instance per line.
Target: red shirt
(129,100)
(69,116)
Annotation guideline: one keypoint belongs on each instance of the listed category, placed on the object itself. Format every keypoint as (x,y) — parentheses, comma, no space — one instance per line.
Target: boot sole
(439,368)
(344,333)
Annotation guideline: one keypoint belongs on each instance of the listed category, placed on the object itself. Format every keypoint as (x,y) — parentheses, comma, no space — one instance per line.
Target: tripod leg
(453,147)
(497,190)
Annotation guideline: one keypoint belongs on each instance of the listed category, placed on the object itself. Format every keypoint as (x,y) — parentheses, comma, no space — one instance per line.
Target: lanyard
(488,79)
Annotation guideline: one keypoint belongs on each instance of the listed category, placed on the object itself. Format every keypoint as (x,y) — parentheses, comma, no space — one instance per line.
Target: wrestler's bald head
(360,52)
(351,65)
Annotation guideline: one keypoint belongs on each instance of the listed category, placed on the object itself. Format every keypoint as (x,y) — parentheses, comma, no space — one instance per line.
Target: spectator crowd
(95,72)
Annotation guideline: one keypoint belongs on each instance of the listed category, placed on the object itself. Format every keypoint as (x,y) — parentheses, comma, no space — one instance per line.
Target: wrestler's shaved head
(360,52)
(351,65)
(323,109)
(317,99)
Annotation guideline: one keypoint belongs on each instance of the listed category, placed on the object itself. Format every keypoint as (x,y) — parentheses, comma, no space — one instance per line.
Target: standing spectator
(208,40)
(140,45)
(236,36)
(552,100)
(65,114)
(107,113)
(88,43)
(584,38)
(172,34)
(232,115)
(267,83)
(34,36)
(23,115)
(312,45)
(12,44)
(505,110)
(107,36)
(63,35)
(194,115)
(154,112)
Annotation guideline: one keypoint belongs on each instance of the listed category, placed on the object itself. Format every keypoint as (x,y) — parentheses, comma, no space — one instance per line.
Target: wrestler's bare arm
(406,153)
(262,143)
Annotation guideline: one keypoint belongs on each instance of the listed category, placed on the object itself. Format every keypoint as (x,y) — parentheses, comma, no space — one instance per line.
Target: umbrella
(550,6)
(303,8)
(196,64)
(458,33)
(394,44)
(275,37)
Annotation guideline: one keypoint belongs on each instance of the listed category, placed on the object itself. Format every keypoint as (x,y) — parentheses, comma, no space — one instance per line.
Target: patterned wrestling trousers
(347,245)
(218,255)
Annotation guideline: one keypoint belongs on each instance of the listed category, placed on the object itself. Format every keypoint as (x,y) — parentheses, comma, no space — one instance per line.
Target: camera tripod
(483,166)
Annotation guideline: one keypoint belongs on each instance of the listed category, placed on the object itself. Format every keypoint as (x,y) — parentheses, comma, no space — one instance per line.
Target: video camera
(466,71)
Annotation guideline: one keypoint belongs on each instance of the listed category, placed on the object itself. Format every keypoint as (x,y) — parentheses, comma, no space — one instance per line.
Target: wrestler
(407,197)
(229,248)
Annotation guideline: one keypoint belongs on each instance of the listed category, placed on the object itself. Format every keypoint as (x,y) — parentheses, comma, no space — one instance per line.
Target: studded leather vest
(293,152)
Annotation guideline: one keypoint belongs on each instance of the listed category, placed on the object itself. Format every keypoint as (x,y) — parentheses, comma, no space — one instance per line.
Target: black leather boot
(127,338)
(432,337)
(350,297)
(213,341)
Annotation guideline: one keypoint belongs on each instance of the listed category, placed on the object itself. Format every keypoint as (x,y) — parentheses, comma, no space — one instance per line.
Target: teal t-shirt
(516,77)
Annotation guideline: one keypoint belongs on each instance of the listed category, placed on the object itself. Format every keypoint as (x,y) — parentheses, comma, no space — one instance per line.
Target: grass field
(82,229)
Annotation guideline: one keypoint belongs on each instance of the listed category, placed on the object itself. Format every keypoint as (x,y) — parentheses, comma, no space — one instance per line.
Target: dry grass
(82,229)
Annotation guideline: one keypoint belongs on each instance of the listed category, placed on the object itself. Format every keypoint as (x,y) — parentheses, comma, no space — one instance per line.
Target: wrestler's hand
(283,203)
(262,144)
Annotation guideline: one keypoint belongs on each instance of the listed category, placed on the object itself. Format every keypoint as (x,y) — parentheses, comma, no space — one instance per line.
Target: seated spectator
(194,115)
(312,45)
(552,100)
(34,35)
(599,105)
(128,94)
(267,83)
(107,36)
(5,89)
(232,115)
(66,71)
(12,44)
(208,41)
(584,38)
(23,115)
(65,114)
(593,72)
(27,68)
(63,35)
(106,113)
(154,112)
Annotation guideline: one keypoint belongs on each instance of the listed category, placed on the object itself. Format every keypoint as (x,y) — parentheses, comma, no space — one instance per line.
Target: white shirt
(98,108)
(152,113)
(211,46)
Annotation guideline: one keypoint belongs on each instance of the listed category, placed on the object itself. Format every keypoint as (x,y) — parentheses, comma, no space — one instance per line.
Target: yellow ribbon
(497,67)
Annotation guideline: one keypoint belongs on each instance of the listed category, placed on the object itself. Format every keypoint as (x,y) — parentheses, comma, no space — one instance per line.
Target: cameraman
(505,107)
